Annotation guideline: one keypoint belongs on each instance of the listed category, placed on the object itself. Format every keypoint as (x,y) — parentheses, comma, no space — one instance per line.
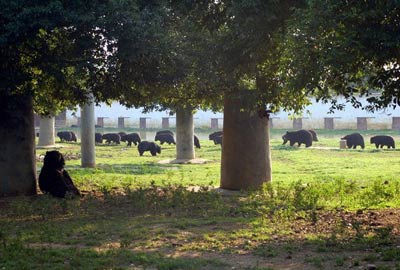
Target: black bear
(98,137)
(73,135)
(314,135)
(196,141)
(66,136)
(383,140)
(299,137)
(131,138)
(149,146)
(122,134)
(164,132)
(353,140)
(213,135)
(218,140)
(54,179)
(112,137)
(165,138)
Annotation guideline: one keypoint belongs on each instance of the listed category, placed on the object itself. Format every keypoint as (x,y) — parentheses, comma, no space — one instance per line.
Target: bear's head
(54,160)
(285,137)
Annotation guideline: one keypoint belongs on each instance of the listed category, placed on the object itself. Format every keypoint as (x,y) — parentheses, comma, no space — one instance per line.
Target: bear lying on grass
(149,146)
(53,179)
(383,140)
(353,140)
(299,137)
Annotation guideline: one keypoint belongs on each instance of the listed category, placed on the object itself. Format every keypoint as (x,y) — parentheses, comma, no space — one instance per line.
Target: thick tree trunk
(17,147)
(88,159)
(246,158)
(184,134)
(46,131)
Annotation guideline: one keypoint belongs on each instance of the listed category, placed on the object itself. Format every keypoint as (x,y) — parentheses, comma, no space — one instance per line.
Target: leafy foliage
(348,48)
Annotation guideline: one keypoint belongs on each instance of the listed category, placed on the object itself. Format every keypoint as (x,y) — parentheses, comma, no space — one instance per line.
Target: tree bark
(184,134)
(88,159)
(17,148)
(246,157)
(46,131)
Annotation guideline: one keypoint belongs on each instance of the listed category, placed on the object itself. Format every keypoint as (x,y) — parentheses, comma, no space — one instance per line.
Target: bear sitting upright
(53,179)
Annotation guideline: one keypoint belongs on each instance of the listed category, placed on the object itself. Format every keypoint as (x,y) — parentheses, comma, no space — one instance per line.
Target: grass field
(325,209)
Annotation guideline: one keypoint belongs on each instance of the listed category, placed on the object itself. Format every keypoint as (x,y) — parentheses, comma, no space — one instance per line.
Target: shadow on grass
(127,168)
(142,227)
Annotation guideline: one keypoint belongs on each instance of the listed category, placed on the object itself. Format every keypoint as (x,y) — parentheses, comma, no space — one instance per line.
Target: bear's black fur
(314,135)
(353,140)
(383,140)
(112,137)
(73,135)
(299,137)
(214,135)
(131,138)
(98,137)
(165,138)
(164,132)
(53,179)
(149,146)
(196,141)
(218,140)
(67,136)
(122,134)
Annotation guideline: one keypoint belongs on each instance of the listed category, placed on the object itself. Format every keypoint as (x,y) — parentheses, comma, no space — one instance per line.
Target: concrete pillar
(343,144)
(298,123)
(396,123)
(270,123)
(328,123)
(47,131)
(78,121)
(214,123)
(61,119)
(165,123)
(88,159)
(362,123)
(184,134)
(100,121)
(142,122)
(121,122)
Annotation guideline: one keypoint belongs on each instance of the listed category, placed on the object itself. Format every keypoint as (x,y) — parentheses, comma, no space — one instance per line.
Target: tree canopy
(347,48)
(148,53)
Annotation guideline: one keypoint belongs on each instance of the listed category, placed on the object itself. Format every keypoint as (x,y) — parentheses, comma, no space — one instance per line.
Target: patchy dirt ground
(334,240)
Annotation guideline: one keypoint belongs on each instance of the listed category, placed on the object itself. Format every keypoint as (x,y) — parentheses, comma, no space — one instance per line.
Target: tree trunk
(246,158)
(184,134)
(46,131)
(17,148)
(88,159)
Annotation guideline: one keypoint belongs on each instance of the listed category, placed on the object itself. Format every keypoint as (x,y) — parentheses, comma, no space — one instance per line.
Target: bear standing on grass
(149,146)
(383,140)
(53,179)
(353,140)
(299,137)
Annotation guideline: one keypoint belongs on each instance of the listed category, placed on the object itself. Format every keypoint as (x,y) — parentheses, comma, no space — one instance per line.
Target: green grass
(140,214)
